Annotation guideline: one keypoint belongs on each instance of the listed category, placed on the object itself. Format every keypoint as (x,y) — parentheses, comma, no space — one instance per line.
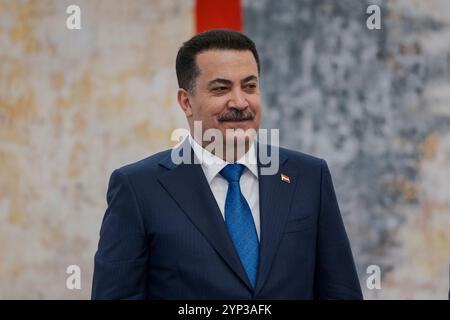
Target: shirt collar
(212,164)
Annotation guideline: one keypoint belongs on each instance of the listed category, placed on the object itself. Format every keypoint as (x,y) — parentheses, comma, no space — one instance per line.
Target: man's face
(226,93)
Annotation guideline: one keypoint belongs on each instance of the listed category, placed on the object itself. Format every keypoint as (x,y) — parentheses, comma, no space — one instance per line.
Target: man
(220,229)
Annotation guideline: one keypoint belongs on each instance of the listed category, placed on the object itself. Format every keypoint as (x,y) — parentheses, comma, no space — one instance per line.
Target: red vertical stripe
(212,14)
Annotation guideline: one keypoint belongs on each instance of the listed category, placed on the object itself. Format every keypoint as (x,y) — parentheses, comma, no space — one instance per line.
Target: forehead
(226,64)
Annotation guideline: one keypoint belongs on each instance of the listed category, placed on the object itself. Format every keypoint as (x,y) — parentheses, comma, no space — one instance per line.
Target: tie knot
(232,172)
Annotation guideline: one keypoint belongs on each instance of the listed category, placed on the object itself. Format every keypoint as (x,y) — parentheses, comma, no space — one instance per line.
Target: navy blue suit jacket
(163,236)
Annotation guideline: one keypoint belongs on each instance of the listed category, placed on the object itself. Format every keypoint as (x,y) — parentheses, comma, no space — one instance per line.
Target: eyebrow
(249,78)
(218,80)
(228,82)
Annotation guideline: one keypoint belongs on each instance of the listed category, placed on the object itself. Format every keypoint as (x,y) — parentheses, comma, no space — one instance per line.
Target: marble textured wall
(74,105)
(376,105)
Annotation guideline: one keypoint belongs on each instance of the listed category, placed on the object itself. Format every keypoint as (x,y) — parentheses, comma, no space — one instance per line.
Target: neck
(230,151)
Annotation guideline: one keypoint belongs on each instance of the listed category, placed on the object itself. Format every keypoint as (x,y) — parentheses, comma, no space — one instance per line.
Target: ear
(183,101)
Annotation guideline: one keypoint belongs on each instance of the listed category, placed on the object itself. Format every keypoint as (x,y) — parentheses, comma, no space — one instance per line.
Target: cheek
(255,103)
(213,107)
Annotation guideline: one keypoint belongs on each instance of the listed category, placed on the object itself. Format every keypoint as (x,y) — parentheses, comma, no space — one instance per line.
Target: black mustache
(236,115)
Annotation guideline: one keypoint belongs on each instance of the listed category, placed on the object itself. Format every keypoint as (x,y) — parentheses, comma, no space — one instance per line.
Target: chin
(240,134)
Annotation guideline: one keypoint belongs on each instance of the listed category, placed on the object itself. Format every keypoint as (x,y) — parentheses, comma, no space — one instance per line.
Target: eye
(219,89)
(250,86)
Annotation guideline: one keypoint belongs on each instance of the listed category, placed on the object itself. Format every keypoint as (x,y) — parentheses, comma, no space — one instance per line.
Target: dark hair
(186,66)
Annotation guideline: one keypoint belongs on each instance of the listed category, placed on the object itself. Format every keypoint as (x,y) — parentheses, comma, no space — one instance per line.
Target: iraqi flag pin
(285,178)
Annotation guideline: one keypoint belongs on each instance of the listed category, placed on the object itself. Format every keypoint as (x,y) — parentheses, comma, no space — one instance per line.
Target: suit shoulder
(302,158)
(144,166)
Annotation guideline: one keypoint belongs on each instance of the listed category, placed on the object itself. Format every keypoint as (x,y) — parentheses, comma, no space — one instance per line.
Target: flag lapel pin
(285,178)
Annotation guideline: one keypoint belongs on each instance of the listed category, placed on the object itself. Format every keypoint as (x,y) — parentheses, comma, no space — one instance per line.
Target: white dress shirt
(249,184)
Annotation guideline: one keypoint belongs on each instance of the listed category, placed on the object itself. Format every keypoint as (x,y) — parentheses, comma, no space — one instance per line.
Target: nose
(237,100)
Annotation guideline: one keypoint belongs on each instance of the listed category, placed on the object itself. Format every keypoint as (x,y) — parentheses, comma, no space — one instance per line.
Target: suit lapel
(275,197)
(187,185)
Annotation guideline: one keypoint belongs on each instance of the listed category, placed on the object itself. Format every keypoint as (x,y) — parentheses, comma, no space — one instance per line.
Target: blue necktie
(239,220)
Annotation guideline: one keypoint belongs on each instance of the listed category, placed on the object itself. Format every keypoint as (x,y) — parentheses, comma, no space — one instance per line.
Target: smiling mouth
(237,120)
